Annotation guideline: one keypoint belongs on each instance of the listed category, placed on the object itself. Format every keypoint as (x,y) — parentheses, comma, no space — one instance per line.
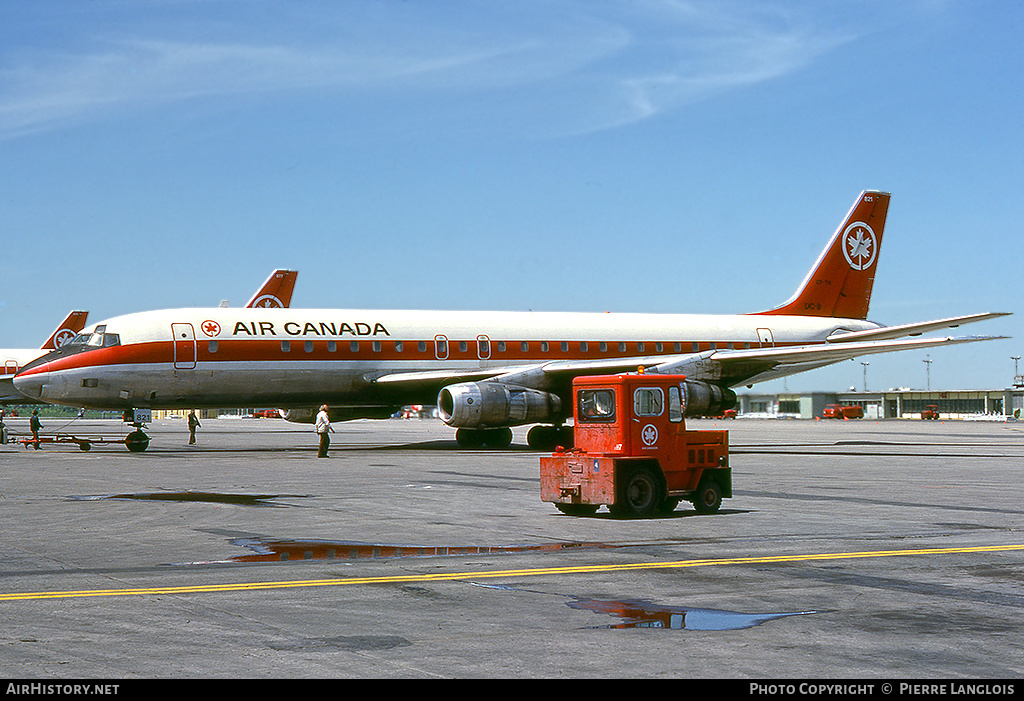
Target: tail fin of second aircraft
(67,330)
(276,291)
(839,284)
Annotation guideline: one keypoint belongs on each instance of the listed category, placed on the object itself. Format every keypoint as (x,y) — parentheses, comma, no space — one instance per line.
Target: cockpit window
(96,337)
(99,338)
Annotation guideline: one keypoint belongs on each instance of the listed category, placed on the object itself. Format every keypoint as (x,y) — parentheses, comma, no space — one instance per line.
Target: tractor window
(675,405)
(595,405)
(648,401)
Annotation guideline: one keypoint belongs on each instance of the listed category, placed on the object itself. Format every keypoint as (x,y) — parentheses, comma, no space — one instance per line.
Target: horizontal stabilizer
(915,329)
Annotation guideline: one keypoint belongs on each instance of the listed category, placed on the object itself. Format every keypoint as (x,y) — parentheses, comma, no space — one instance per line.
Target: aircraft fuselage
(293,357)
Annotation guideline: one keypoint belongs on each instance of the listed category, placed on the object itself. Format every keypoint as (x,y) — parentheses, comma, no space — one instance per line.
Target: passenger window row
(442,346)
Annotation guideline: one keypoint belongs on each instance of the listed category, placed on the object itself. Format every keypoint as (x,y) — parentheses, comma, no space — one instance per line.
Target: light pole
(1016,374)
(865,375)
(928,364)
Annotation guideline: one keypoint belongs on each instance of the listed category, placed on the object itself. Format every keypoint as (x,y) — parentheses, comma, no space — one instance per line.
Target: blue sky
(580,155)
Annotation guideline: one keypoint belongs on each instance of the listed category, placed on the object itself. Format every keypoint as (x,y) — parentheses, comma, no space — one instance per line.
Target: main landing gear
(484,437)
(539,437)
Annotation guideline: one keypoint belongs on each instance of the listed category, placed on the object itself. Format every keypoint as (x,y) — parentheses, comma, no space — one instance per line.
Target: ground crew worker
(323,428)
(193,424)
(3,429)
(34,425)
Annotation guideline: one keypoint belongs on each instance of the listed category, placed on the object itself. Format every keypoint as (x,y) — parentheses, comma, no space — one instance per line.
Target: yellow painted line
(579,569)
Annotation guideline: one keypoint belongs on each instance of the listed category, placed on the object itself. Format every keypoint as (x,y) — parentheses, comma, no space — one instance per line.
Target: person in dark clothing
(193,424)
(34,425)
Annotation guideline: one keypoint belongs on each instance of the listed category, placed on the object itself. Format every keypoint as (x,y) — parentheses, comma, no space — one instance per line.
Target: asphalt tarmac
(850,550)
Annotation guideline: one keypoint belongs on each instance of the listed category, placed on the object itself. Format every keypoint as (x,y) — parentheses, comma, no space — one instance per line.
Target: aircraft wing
(726,368)
(732,368)
(915,329)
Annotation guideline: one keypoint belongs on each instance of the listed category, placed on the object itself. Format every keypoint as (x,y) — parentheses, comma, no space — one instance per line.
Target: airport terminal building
(991,404)
(890,404)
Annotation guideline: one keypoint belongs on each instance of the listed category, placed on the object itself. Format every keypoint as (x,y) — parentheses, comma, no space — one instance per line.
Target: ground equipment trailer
(633,453)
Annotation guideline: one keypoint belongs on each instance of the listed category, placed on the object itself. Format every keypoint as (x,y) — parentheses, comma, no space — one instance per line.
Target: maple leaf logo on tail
(859,246)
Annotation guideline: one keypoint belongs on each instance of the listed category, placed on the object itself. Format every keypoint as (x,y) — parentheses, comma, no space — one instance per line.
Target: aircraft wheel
(708,498)
(639,493)
(136,441)
(469,438)
(498,437)
(539,438)
(549,437)
(566,437)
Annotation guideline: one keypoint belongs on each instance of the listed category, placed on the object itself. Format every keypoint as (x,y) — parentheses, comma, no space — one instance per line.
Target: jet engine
(482,404)
(704,399)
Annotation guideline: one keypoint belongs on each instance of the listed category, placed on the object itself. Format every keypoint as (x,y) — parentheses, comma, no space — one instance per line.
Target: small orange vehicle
(931,412)
(839,411)
(633,453)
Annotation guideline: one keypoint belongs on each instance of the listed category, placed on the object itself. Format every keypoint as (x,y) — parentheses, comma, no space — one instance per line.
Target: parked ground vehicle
(841,411)
(633,453)
(930,412)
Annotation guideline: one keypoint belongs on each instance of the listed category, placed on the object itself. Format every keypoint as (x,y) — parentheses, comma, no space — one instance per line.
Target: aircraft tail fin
(68,329)
(839,284)
(276,291)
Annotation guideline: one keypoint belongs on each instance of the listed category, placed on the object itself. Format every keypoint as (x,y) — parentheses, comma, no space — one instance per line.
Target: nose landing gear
(137,441)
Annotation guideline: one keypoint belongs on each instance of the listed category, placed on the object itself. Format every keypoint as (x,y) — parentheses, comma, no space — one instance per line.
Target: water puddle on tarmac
(644,614)
(631,613)
(283,550)
(189,496)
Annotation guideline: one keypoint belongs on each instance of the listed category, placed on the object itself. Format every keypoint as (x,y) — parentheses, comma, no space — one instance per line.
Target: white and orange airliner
(486,371)
(276,291)
(15,359)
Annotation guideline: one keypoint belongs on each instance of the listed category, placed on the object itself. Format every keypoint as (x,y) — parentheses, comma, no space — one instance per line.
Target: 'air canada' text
(309,328)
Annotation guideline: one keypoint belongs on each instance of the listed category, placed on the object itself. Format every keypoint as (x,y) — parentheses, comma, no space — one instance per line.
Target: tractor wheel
(639,493)
(708,497)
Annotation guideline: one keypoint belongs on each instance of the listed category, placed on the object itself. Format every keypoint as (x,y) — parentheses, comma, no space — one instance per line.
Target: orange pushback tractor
(633,453)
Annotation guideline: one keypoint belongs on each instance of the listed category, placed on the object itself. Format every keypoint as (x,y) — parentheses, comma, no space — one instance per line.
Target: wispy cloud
(593,66)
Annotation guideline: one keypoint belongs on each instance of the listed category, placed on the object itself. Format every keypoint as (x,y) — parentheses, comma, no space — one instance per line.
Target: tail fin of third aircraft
(67,330)
(276,291)
(839,284)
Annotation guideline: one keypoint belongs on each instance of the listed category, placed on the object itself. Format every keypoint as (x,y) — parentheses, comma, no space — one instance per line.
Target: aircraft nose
(31,384)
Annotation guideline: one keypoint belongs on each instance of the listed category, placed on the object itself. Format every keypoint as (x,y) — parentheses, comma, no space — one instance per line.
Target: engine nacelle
(483,404)
(704,399)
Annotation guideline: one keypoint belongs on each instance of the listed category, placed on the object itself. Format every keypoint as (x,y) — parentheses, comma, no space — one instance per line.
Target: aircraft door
(184,346)
(765,337)
(441,347)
